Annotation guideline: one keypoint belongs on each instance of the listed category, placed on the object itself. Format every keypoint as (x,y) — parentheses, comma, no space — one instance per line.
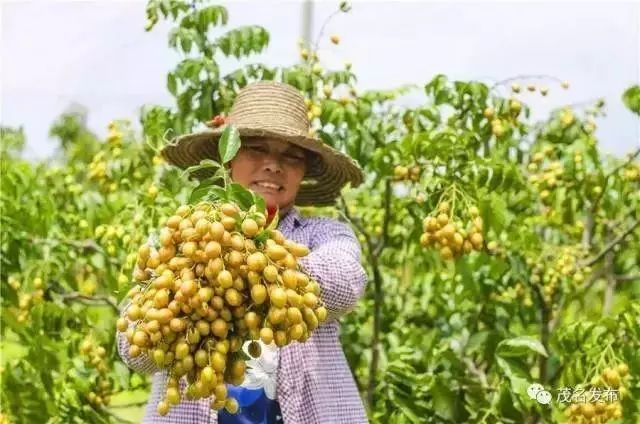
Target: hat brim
(320,187)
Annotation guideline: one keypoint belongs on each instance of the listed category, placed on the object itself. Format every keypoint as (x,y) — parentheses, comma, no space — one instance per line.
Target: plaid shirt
(314,382)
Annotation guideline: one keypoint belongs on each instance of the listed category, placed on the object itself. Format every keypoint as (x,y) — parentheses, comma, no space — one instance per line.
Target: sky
(55,54)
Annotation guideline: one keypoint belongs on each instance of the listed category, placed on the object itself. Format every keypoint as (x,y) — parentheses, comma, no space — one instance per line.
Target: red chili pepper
(271,212)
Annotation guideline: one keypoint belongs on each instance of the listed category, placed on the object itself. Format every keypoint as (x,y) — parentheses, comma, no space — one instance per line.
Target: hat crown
(270,105)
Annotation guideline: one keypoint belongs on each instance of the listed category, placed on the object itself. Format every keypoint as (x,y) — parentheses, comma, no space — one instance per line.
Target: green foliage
(631,98)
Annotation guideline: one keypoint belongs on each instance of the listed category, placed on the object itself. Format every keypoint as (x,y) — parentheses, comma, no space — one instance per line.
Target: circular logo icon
(543,397)
(534,389)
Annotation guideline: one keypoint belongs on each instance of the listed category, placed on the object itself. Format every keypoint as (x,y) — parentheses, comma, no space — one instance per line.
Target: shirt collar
(290,221)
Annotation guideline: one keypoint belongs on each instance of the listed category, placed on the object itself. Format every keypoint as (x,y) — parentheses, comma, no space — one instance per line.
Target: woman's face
(271,167)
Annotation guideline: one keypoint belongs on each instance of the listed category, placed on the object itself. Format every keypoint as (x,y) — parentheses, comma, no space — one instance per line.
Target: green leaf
(517,373)
(443,399)
(242,196)
(520,346)
(217,193)
(122,373)
(243,41)
(204,164)
(229,144)
(261,205)
(631,99)
(171,83)
(201,191)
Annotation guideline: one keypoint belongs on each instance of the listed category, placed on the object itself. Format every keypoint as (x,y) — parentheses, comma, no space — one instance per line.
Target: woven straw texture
(273,109)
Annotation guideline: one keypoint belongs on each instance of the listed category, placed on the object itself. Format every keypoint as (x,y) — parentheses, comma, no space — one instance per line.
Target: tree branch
(611,245)
(385,223)
(627,277)
(88,244)
(482,377)
(377,306)
(90,300)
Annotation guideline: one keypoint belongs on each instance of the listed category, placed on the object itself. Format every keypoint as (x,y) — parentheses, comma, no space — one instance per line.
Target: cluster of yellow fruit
(565,266)
(218,279)
(544,90)
(314,110)
(112,235)
(114,136)
(567,117)
(95,357)
(547,176)
(631,172)
(497,126)
(26,300)
(405,173)
(607,407)
(451,238)
(98,167)
(517,292)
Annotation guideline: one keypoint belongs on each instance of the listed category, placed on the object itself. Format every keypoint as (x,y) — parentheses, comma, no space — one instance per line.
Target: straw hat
(273,109)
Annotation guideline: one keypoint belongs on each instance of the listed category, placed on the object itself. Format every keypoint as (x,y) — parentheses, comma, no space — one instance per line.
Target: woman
(302,382)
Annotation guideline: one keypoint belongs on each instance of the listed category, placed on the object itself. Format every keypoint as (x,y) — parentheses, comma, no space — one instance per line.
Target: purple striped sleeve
(334,262)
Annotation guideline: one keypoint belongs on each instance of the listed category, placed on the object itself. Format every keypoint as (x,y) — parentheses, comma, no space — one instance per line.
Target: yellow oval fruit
(140,339)
(201,358)
(290,278)
(256,262)
(219,328)
(276,252)
(281,338)
(250,227)
(231,405)
(294,316)
(163,408)
(278,297)
(299,250)
(277,315)
(122,325)
(229,209)
(266,335)
(294,298)
(259,294)
(623,369)
(228,223)
(310,300)
(476,240)
(159,357)
(270,273)
(173,396)
(252,320)
(216,231)
(321,313)
(295,332)
(235,259)
(213,249)
(182,350)
(233,297)
(225,279)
